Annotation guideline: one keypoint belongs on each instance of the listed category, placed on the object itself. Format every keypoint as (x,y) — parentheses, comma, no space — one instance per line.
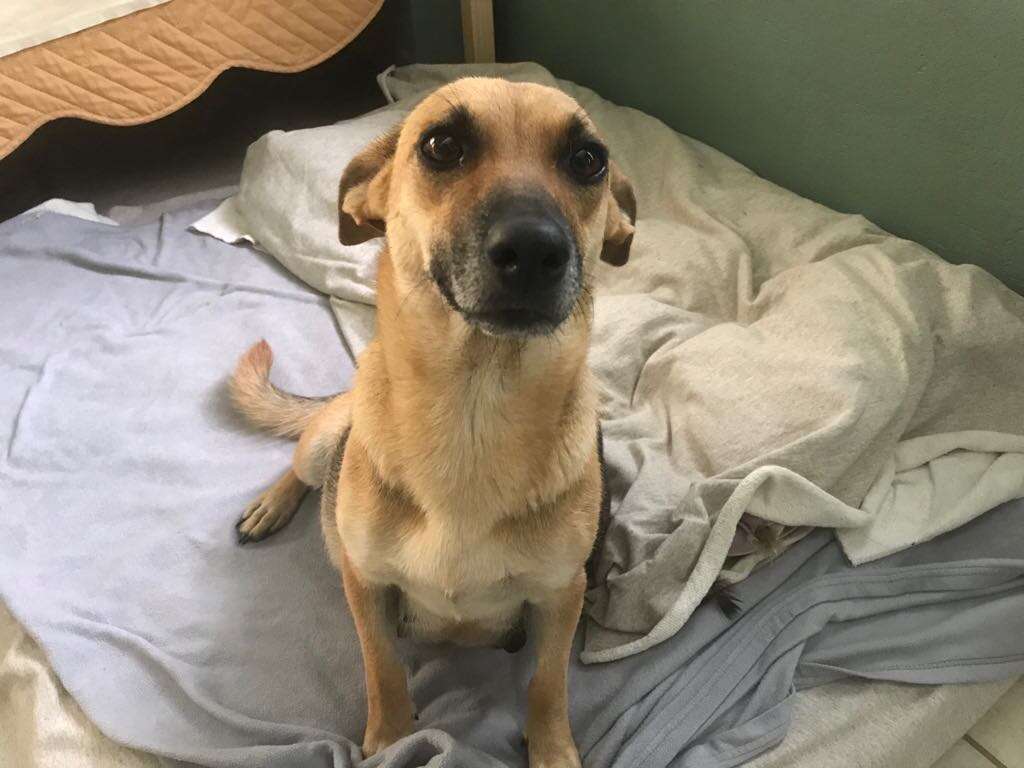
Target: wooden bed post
(478,31)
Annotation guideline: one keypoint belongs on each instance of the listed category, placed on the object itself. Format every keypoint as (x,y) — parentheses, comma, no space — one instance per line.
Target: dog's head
(502,194)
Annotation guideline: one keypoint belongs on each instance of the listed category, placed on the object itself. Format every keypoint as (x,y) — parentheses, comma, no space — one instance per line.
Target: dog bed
(124,470)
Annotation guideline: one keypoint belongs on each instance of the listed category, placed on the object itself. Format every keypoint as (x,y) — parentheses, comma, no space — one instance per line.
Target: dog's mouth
(496,319)
(512,321)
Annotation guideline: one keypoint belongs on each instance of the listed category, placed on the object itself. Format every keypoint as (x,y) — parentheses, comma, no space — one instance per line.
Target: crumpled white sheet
(762,358)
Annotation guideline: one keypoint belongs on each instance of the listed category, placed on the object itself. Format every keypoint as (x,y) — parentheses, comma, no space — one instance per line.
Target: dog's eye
(441,150)
(588,163)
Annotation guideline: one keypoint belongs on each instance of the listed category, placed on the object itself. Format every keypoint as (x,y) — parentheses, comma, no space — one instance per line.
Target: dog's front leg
(547,719)
(389,710)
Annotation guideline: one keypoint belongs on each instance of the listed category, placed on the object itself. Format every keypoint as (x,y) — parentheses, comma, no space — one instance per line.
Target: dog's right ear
(363,191)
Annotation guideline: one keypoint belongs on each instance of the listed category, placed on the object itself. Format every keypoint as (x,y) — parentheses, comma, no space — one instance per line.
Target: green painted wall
(428,31)
(908,111)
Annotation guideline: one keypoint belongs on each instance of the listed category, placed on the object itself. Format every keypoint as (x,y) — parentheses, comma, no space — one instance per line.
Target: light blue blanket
(123,471)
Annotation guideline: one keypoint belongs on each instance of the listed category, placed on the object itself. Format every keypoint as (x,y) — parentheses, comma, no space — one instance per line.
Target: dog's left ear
(618,228)
(363,191)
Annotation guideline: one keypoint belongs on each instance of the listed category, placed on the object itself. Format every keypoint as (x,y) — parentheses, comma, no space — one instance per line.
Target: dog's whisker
(455,105)
(422,282)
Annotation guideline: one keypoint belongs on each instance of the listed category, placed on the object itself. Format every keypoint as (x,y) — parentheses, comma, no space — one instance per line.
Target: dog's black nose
(529,252)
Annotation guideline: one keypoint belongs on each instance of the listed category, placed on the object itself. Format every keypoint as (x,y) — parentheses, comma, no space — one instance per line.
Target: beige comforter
(40,724)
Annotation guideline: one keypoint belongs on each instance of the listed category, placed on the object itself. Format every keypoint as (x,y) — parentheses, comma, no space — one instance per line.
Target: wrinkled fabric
(124,469)
(767,365)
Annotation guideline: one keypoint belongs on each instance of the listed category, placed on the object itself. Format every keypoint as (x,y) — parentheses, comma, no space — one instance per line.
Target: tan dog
(471,483)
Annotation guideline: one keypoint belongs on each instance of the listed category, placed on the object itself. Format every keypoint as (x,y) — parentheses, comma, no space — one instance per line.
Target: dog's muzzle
(529,265)
(519,274)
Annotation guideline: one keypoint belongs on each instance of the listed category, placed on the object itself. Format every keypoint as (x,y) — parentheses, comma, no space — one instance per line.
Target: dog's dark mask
(513,267)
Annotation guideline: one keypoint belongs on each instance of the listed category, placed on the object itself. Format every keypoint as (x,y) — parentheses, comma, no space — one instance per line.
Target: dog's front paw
(382,733)
(551,751)
(260,519)
(269,513)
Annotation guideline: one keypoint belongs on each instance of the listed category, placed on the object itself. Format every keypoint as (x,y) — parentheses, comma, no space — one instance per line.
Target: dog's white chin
(513,324)
(514,333)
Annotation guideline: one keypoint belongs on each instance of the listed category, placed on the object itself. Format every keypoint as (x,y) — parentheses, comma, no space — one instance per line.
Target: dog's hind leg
(272,510)
(312,459)
(310,465)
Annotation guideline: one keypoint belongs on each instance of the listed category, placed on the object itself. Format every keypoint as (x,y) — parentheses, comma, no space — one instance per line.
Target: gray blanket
(123,471)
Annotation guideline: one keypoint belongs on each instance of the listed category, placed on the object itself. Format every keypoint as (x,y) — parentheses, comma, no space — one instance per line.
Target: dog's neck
(479,400)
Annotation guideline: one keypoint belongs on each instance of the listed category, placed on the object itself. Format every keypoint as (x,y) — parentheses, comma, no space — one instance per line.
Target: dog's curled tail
(264,405)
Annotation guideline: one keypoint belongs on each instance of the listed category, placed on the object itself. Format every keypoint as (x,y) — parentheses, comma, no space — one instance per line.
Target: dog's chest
(463,572)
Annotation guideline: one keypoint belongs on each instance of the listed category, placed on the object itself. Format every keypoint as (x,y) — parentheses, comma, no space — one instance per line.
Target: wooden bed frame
(478,30)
